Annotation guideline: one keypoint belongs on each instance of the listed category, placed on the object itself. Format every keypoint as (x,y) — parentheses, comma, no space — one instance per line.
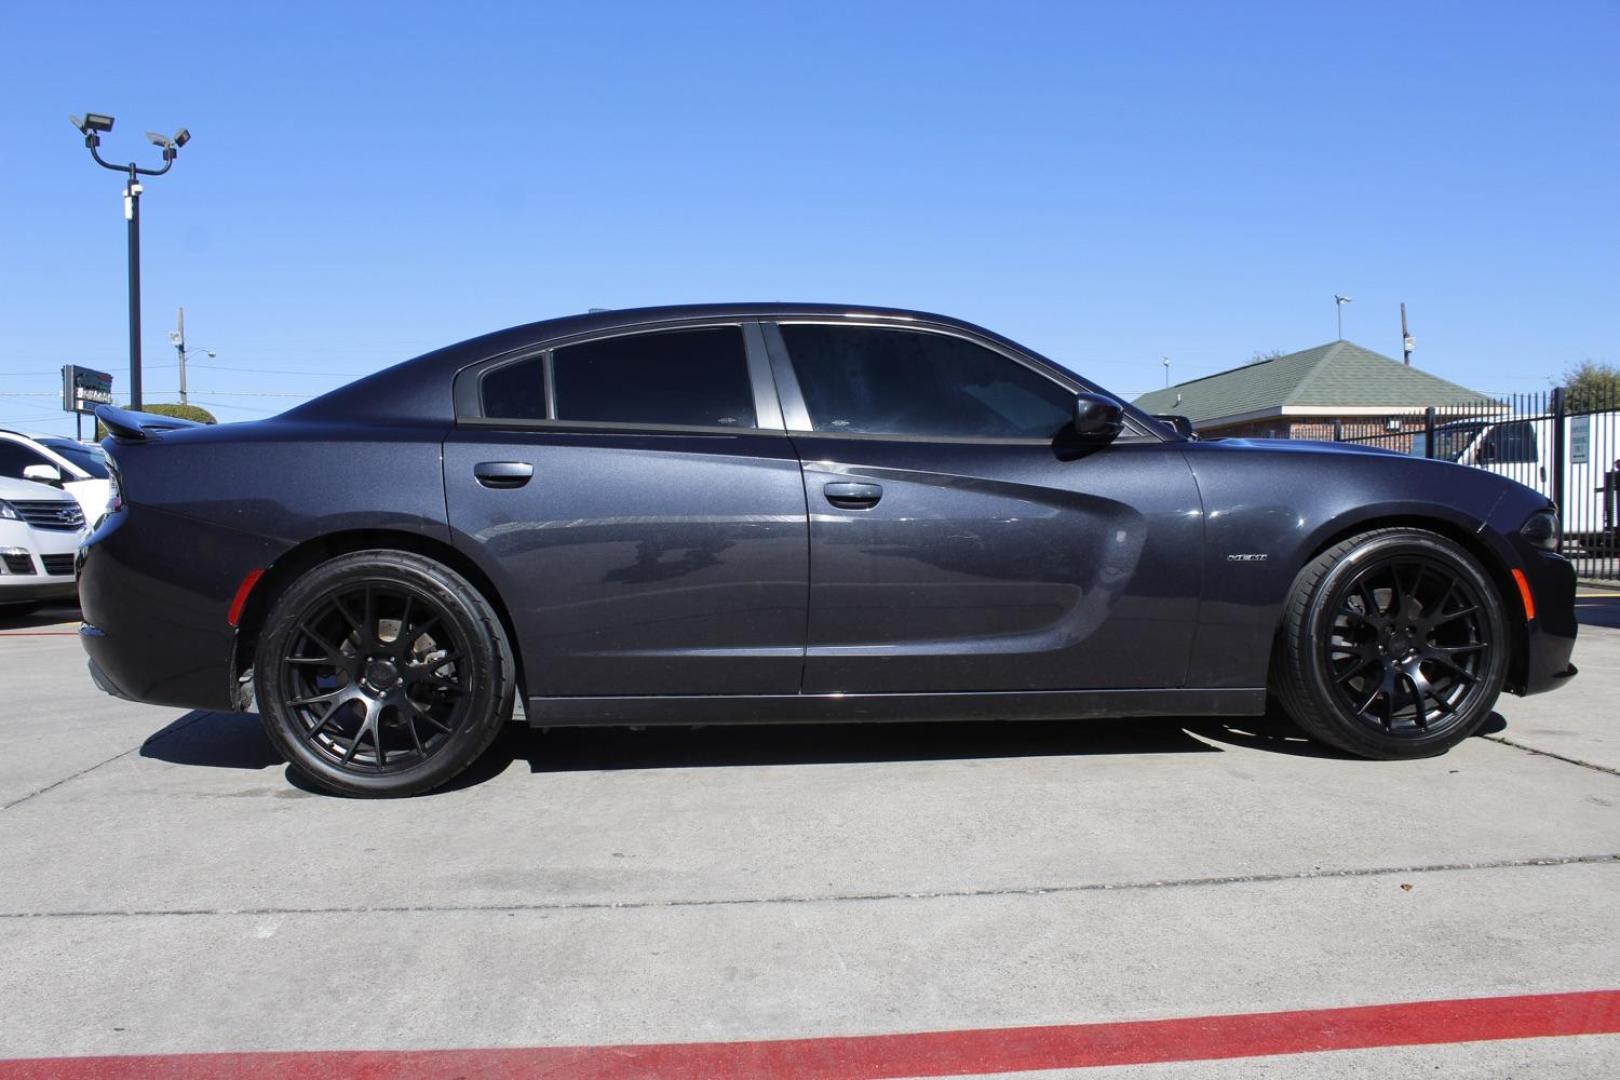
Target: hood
(27,490)
(1306,446)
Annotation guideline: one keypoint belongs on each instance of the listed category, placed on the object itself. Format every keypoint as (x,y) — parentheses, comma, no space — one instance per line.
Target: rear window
(88,458)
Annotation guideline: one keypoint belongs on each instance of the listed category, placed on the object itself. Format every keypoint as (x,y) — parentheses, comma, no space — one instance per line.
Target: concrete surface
(165,886)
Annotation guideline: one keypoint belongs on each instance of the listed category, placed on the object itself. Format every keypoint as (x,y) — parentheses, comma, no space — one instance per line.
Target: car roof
(417,388)
(516,337)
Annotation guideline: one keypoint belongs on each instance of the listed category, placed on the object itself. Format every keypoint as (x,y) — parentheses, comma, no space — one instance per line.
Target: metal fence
(1563,442)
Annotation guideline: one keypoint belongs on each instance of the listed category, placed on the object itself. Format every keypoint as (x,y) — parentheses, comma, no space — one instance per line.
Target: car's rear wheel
(383,673)
(1394,644)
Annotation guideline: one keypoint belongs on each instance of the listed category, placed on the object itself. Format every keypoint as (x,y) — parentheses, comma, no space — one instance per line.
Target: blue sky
(1107,183)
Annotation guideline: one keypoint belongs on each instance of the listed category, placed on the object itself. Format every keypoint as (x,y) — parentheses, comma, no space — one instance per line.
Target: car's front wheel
(382,673)
(1393,644)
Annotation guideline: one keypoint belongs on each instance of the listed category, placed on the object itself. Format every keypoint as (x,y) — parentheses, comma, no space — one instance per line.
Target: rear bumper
(155,589)
(103,682)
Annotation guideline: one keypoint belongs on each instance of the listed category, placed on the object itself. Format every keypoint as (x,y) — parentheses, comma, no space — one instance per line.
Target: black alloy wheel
(375,676)
(1393,644)
(383,673)
(1408,646)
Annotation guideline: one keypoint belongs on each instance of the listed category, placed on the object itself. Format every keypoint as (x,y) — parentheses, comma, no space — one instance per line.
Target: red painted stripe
(930,1053)
(39,633)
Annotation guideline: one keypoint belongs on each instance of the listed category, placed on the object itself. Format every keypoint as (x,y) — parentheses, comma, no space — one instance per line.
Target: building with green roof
(1339,388)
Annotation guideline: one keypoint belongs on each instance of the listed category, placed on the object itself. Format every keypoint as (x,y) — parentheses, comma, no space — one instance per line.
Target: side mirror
(1097,416)
(43,474)
(1182,425)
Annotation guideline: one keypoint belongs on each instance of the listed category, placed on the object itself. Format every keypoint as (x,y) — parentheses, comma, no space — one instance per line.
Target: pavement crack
(1594,766)
(835,898)
(37,792)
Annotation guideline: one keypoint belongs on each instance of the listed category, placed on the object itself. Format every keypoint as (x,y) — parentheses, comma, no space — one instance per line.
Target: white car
(78,469)
(40,532)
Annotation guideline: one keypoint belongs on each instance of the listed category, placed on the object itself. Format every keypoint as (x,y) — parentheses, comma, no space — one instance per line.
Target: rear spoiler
(126,425)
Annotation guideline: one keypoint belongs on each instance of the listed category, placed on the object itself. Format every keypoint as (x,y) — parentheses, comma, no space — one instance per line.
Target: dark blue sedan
(765,513)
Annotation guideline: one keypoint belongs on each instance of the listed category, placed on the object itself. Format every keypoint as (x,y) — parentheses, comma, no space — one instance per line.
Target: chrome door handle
(847,496)
(503,474)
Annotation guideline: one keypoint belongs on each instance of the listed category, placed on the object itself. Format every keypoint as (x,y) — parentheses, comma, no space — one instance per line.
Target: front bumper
(19,590)
(34,545)
(1549,638)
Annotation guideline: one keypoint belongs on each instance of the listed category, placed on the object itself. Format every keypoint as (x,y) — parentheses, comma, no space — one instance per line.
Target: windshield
(88,458)
(1449,442)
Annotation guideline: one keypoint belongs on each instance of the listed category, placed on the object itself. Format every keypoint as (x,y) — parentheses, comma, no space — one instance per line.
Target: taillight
(115,491)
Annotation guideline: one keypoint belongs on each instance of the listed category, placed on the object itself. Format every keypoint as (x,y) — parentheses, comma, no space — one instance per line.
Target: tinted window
(1450,441)
(902,382)
(1511,443)
(15,457)
(88,458)
(677,377)
(516,391)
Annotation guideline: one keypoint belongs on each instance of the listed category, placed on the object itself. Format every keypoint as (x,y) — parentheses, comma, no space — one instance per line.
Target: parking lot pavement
(1598,604)
(165,887)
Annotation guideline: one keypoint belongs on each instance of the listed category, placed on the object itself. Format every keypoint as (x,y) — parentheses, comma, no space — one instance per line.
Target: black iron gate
(1564,443)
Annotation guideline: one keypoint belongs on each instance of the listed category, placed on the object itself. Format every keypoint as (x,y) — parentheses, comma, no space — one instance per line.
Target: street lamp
(92,126)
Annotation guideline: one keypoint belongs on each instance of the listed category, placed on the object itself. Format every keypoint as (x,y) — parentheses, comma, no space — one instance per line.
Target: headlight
(9,512)
(1542,530)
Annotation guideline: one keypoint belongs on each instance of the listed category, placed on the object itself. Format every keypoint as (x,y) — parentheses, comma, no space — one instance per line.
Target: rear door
(640,507)
(961,540)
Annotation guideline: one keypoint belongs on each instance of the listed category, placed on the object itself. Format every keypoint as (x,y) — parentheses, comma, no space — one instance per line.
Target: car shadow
(1279,735)
(237,741)
(48,616)
(216,740)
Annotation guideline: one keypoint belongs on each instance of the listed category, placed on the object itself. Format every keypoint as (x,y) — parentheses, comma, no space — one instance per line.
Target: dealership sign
(84,389)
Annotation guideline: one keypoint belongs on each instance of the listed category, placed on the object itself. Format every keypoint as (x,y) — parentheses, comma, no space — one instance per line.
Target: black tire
(383,673)
(1393,644)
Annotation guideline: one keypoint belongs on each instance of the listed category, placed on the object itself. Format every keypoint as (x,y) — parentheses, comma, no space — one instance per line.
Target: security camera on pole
(92,126)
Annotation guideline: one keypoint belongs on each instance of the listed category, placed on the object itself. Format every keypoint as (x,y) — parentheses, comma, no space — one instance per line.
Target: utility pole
(180,347)
(1406,338)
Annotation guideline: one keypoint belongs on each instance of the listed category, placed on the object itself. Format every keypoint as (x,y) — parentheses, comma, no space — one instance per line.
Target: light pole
(1338,307)
(91,125)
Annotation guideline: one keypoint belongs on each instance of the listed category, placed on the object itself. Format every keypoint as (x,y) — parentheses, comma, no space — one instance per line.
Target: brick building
(1339,387)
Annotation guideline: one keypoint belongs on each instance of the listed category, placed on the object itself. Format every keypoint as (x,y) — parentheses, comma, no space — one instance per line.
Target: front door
(961,541)
(641,512)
